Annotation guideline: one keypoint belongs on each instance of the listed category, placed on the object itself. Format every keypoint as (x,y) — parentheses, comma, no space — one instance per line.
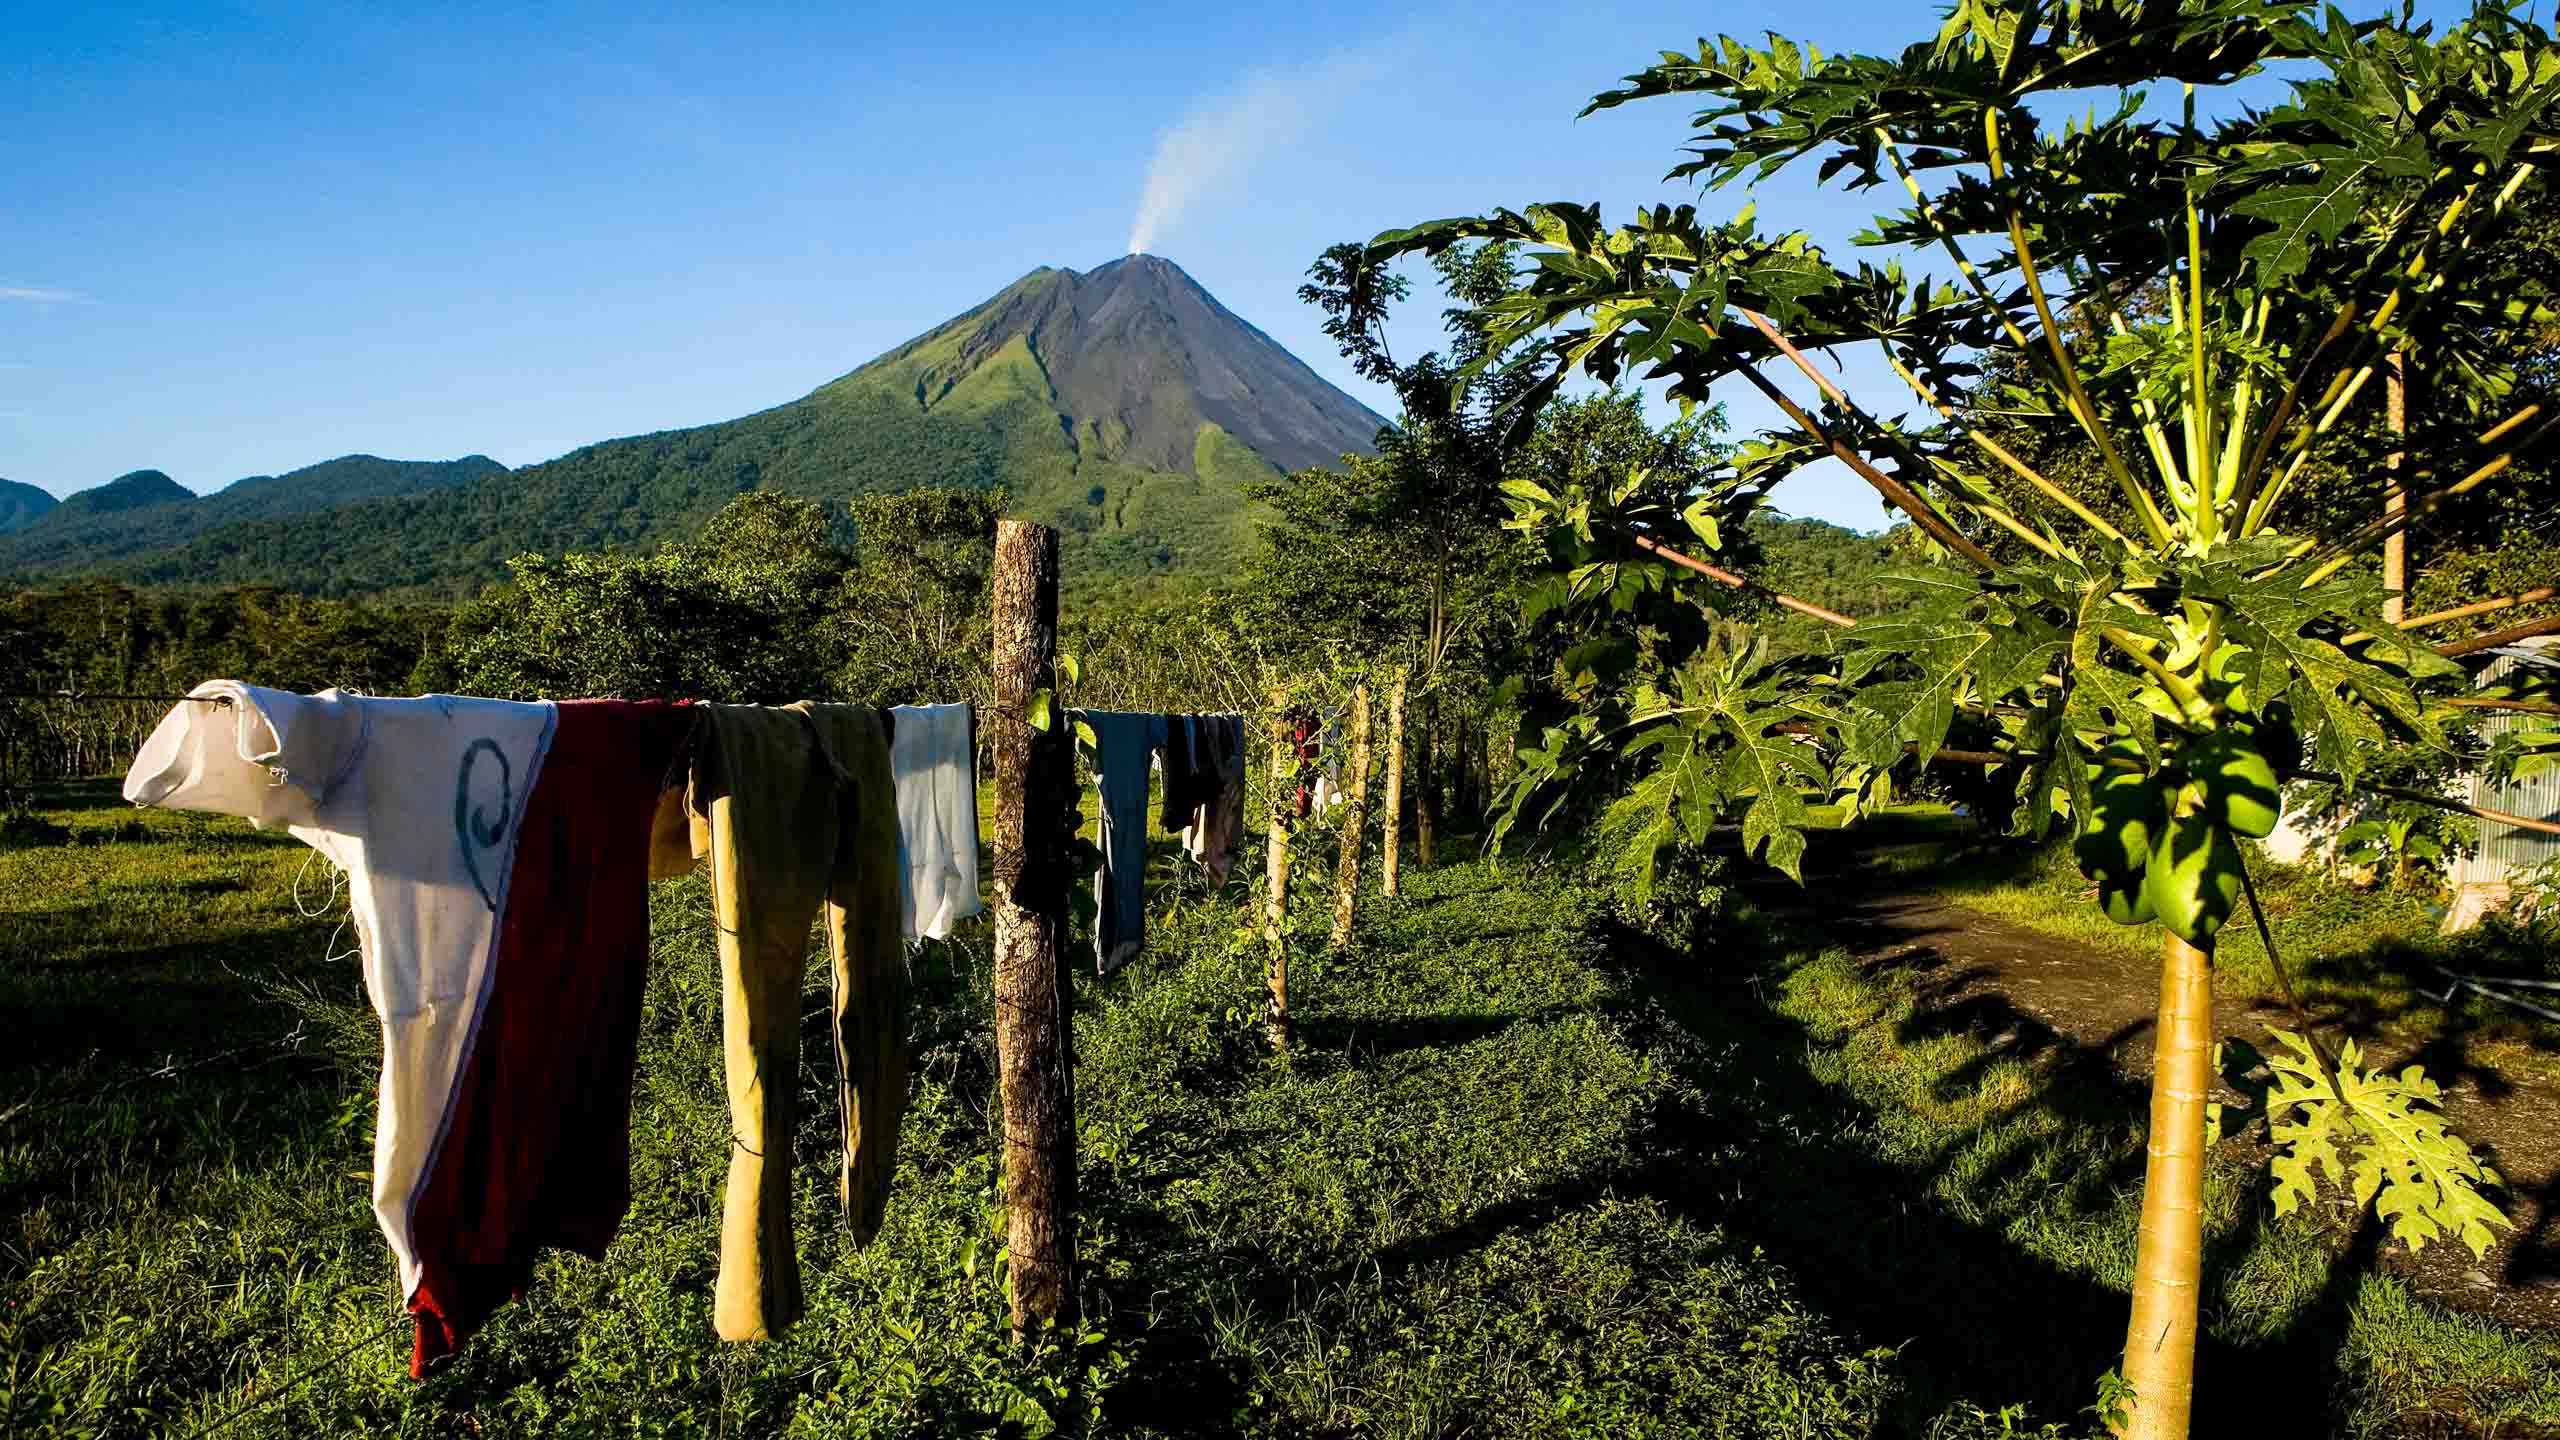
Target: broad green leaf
(2386,1137)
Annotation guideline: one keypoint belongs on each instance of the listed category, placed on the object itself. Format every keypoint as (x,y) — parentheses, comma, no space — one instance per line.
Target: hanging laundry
(496,856)
(1123,744)
(933,753)
(1304,735)
(1216,823)
(796,808)
(1327,791)
(1184,777)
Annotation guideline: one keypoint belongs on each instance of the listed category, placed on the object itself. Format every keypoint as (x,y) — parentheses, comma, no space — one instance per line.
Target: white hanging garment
(933,758)
(418,802)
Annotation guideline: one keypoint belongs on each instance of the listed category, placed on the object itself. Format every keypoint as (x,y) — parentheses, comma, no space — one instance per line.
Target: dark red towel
(537,1147)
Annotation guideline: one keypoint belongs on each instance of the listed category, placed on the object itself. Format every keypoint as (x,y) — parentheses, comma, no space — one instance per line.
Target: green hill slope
(1124,405)
(22,505)
(134,490)
(146,513)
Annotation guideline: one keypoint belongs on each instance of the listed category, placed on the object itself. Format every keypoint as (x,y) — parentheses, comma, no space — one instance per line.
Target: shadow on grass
(1874,1243)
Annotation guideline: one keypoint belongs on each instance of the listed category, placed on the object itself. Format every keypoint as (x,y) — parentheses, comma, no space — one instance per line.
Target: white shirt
(418,801)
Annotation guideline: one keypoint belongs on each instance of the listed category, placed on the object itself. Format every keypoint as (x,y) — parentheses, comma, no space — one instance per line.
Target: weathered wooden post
(1355,820)
(1035,795)
(1426,796)
(1392,806)
(1275,905)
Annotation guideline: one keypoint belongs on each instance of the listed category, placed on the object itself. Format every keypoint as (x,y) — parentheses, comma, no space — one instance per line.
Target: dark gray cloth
(1216,821)
(1124,743)
(1189,776)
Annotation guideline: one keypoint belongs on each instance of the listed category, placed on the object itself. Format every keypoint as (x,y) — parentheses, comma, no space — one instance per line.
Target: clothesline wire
(169,1068)
(335,1358)
(79,695)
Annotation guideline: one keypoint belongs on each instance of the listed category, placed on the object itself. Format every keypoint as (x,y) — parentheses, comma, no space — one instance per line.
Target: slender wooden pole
(1426,800)
(1355,820)
(2495,638)
(2395,492)
(1035,819)
(2168,1263)
(1652,546)
(1393,809)
(1275,905)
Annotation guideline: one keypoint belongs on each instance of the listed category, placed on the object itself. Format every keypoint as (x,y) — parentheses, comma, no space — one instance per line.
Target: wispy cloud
(40,294)
(1211,146)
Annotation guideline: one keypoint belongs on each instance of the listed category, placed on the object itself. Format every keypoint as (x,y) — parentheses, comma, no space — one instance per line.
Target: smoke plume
(1210,148)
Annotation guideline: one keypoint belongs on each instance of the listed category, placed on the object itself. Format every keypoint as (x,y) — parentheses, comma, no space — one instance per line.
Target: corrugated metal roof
(2503,847)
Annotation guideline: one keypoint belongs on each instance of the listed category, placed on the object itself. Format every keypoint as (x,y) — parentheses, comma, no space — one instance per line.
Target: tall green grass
(1523,1174)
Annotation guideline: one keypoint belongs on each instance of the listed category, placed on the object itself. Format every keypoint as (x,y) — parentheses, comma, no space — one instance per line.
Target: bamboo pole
(1743,583)
(1034,798)
(2479,607)
(1901,496)
(1275,904)
(1393,810)
(2548,624)
(1355,820)
(2160,1339)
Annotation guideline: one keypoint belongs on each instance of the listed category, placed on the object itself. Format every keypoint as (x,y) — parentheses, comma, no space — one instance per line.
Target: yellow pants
(796,806)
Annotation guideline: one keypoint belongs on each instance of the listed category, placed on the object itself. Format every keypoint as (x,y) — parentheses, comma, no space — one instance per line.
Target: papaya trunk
(2168,1265)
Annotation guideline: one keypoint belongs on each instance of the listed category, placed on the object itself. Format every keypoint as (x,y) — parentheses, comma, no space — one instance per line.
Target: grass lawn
(1523,1175)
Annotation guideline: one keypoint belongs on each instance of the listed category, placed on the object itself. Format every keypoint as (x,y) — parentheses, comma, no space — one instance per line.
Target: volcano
(1124,405)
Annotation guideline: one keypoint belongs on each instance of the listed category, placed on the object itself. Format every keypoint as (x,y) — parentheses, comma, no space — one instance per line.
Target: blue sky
(247,237)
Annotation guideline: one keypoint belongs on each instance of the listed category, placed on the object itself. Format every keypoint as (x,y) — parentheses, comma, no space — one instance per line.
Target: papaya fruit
(2193,880)
(2126,810)
(2222,683)
(2126,901)
(2240,787)
(2279,739)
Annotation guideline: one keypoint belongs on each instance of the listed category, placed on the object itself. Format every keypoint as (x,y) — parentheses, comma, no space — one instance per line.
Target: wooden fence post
(1035,807)
(1392,808)
(1426,795)
(1275,905)
(1355,820)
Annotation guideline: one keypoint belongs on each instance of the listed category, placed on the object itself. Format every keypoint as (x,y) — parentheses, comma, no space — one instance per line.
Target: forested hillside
(98,531)
(22,504)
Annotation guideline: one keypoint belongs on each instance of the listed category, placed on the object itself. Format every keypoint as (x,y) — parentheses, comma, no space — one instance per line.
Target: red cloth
(537,1145)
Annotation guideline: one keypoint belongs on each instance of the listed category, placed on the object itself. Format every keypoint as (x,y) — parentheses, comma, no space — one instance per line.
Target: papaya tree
(2203,292)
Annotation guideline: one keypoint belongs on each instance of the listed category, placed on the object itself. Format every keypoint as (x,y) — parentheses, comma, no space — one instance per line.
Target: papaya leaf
(2386,1137)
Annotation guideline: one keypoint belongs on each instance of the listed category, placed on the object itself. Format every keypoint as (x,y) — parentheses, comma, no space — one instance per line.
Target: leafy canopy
(2204,301)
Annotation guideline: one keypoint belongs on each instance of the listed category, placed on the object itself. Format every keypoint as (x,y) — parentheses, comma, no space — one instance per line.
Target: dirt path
(2017,989)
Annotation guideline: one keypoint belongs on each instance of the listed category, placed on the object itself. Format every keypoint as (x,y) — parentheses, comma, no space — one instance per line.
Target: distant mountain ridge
(22,505)
(1124,404)
(102,530)
(133,490)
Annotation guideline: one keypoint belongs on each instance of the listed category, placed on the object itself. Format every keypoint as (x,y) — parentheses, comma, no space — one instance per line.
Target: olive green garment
(796,807)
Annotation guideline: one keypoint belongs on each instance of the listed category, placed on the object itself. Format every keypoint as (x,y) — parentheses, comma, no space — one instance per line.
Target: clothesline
(87,695)
(425,798)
